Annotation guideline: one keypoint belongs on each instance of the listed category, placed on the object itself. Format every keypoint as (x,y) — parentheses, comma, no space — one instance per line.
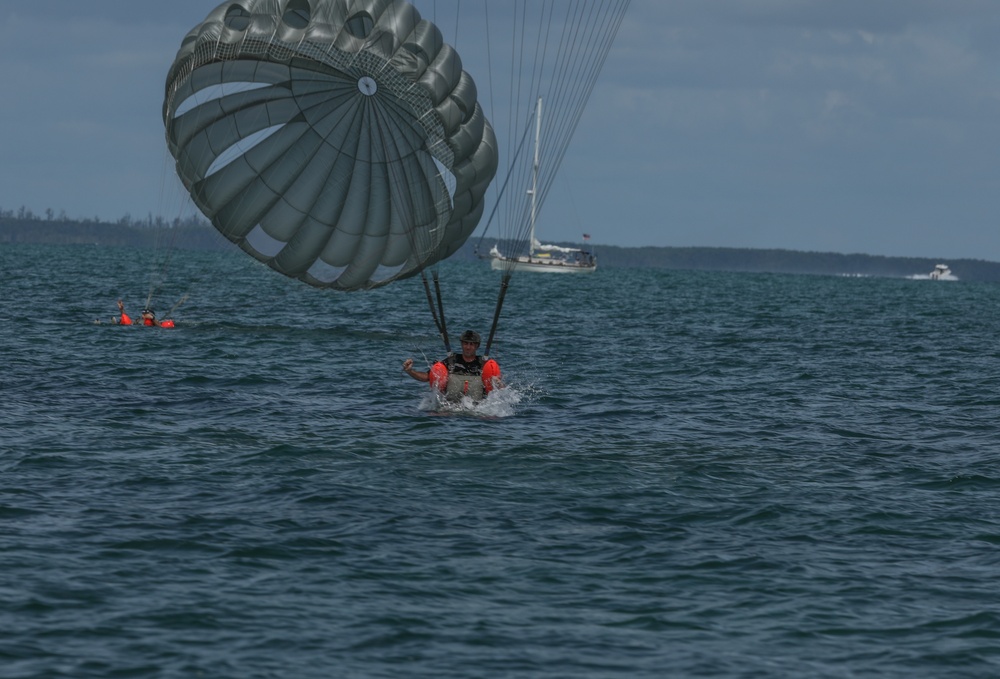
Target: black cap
(148,311)
(471,336)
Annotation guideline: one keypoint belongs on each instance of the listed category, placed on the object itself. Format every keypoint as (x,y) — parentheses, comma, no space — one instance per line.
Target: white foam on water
(497,404)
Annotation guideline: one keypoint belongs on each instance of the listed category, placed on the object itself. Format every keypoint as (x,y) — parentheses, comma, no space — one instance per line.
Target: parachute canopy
(339,141)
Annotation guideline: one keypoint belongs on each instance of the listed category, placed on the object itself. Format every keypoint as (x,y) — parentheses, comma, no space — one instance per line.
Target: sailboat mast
(534,176)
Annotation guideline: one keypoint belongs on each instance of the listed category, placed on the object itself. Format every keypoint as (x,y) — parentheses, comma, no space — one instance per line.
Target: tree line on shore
(195,233)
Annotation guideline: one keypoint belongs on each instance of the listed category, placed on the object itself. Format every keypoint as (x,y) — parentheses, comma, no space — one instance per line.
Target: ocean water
(690,475)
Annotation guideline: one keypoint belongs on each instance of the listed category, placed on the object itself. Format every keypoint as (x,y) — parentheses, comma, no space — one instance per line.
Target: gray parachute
(338,141)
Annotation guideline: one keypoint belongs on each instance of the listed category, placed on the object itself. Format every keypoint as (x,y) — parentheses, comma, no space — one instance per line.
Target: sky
(851,126)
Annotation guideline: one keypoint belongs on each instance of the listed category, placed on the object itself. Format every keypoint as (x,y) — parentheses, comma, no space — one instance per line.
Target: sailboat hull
(541,265)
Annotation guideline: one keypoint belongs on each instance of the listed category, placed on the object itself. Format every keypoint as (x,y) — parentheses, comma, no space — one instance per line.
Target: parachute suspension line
(444,326)
(458,11)
(515,210)
(526,202)
(572,43)
(585,72)
(402,201)
(400,198)
(159,273)
(504,284)
(489,78)
(534,180)
(435,19)
(434,313)
(179,302)
(506,183)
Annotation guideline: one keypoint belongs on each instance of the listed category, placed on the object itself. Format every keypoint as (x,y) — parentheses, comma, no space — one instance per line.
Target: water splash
(498,403)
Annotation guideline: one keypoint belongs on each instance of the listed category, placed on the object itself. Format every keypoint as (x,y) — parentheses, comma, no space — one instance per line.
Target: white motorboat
(941,272)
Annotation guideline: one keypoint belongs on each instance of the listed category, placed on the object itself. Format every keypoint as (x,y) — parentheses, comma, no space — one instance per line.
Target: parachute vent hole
(360,25)
(368,86)
(297,14)
(237,18)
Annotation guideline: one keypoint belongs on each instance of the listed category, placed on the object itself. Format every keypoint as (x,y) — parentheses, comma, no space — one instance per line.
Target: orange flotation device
(438,376)
(167,324)
(491,375)
(125,320)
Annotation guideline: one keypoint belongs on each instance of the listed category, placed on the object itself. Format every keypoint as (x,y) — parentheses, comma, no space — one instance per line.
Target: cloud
(848,124)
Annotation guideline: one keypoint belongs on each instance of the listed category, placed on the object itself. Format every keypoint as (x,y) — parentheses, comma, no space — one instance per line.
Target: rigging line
(543,35)
(432,239)
(517,66)
(178,198)
(585,73)
(529,87)
(541,49)
(591,82)
(399,195)
(507,178)
(567,76)
(490,69)
(383,125)
(506,183)
(543,38)
(424,354)
(430,303)
(504,284)
(538,80)
(489,52)
(444,325)
(589,68)
(174,307)
(579,69)
(157,277)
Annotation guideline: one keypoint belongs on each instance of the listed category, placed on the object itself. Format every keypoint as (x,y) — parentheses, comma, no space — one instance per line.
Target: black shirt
(459,366)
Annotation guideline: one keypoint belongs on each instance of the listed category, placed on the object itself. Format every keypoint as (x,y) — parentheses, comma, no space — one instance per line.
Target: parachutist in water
(123,319)
(468,363)
(147,318)
(452,374)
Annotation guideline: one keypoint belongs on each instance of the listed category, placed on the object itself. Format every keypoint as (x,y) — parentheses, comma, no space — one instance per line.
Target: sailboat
(543,257)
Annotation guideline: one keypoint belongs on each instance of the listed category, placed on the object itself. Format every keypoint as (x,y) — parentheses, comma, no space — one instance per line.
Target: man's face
(469,348)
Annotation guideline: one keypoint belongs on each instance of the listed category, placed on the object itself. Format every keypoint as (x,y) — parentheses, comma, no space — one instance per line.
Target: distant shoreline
(198,235)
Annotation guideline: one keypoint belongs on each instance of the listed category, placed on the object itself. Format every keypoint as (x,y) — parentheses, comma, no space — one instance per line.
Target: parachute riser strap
(179,302)
(157,278)
(434,313)
(444,325)
(504,284)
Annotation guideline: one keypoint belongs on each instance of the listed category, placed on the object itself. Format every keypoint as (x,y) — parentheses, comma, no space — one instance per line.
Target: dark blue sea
(690,474)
